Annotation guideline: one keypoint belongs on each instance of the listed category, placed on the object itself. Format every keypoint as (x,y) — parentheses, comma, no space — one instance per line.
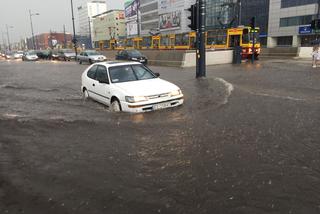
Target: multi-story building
(86,10)
(108,25)
(289,22)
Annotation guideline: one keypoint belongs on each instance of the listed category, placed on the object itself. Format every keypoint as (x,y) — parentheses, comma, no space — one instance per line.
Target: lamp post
(74,32)
(8,37)
(32,14)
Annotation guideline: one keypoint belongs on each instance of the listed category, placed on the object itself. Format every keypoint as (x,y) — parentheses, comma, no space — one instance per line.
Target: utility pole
(74,32)
(138,20)
(201,51)
(239,12)
(64,37)
(4,40)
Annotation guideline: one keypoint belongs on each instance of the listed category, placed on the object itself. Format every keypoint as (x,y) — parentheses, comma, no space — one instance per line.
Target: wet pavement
(246,140)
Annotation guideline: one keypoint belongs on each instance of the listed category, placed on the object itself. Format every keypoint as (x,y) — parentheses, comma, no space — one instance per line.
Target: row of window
(294,3)
(295,21)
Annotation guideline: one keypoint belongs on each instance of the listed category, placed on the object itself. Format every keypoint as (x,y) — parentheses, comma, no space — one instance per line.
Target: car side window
(92,72)
(101,74)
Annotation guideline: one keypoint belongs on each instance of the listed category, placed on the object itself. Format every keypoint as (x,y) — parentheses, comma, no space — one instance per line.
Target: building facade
(50,40)
(86,10)
(289,22)
(108,25)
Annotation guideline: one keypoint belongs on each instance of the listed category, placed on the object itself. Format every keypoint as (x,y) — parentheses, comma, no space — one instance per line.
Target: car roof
(109,64)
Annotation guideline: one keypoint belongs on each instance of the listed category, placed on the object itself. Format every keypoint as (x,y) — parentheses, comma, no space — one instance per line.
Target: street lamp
(74,40)
(8,37)
(32,14)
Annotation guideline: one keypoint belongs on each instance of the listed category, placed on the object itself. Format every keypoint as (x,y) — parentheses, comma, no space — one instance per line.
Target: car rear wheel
(80,62)
(90,61)
(115,106)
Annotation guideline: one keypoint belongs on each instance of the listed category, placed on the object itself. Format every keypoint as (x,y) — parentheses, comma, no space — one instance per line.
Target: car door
(102,87)
(91,82)
(85,57)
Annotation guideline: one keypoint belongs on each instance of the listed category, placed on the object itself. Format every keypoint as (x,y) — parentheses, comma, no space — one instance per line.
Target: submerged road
(247,140)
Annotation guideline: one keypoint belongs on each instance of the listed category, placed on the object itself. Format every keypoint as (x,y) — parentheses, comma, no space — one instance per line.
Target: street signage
(305,29)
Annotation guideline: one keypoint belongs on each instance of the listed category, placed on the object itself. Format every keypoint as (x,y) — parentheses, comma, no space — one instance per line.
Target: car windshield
(128,73)
(134,53)
(93,53)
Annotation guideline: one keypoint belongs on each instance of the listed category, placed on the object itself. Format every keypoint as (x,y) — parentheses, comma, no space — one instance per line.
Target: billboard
(132,28)
(170,21)
(131,8)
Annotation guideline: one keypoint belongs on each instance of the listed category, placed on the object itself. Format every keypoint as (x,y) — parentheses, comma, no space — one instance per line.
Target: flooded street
(246,140)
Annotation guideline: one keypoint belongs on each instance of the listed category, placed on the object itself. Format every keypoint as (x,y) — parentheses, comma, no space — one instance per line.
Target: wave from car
(129,87)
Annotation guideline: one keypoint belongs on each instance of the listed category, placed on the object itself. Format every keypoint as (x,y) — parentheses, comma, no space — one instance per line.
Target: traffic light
(193,17)
(253,22)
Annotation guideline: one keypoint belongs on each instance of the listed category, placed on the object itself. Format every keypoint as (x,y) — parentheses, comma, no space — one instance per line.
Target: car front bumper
(151,106)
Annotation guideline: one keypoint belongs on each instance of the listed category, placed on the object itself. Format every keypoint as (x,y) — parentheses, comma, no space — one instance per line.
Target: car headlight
(175,93)
(135,99)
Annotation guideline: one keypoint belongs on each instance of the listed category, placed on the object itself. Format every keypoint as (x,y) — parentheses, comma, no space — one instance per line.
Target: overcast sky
(53,15)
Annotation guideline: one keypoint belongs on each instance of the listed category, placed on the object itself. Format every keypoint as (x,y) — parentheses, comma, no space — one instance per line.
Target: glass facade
(224,13)
(294,3)
(220,13)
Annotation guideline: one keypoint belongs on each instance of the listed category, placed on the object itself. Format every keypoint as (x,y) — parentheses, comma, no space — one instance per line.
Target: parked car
(91,56)
(131,55)
(66,54)
(18,54)
(30,56)
(129,87)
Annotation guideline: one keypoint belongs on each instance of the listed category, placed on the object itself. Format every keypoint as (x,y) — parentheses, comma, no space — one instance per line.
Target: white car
(91,56)
(30,56)
(18,54)
(129,87)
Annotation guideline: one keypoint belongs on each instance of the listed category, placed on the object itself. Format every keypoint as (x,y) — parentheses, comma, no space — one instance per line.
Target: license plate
(161,105)
(142,60)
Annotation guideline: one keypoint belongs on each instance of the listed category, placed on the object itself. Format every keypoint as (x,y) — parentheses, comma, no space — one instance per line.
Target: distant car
(30,56)
(54,55)
(9,55)
(131,55)
(44,54)
(66,55)
(129,87)
(18,54)
(91,56)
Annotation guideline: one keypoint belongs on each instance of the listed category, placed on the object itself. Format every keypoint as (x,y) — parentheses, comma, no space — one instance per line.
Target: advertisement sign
(305,29)
(132,28)
(170,21)
(131,8)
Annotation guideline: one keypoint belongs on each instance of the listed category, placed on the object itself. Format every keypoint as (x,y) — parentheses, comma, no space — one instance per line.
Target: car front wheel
(115,106)
(85,94)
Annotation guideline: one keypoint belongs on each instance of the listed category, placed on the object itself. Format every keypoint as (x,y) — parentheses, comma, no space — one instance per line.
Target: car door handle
(93,84)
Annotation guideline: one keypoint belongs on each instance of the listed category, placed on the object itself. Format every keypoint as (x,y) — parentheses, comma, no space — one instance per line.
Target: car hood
(146,87)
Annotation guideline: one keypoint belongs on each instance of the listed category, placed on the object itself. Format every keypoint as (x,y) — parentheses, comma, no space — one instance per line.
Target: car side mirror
(157,74)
